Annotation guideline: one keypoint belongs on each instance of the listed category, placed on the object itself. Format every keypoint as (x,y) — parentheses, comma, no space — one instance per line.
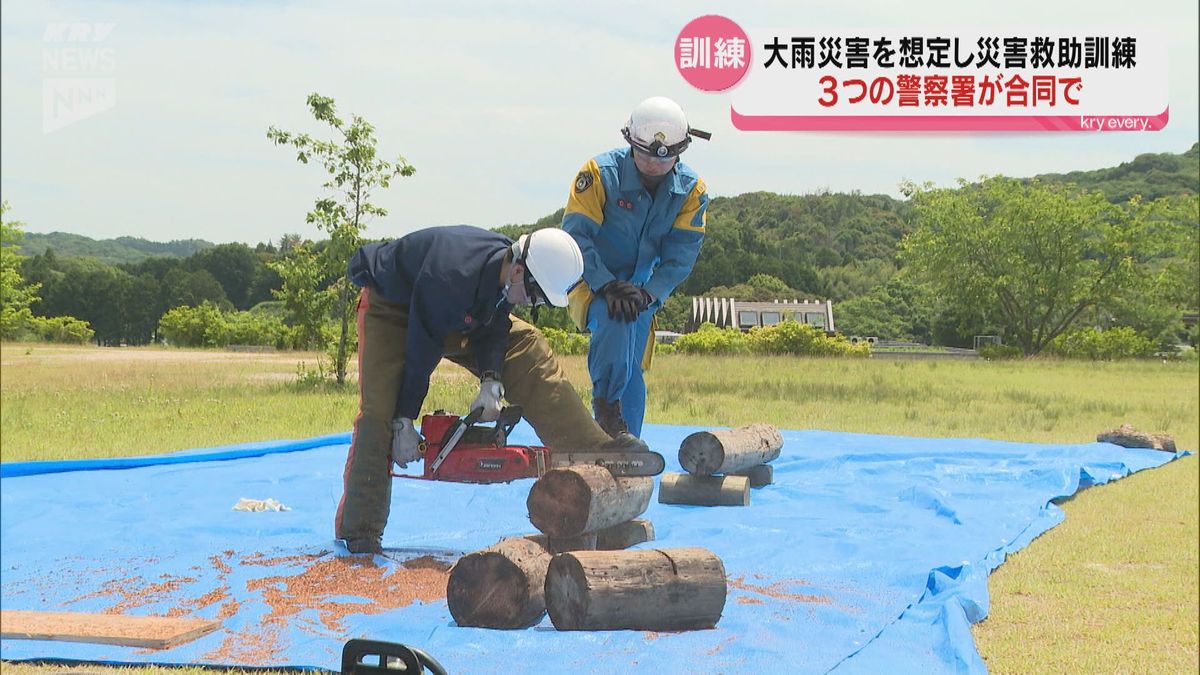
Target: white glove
(406,442)
(490,393)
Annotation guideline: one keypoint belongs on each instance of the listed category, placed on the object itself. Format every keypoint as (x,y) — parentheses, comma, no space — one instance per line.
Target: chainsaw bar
(621,464)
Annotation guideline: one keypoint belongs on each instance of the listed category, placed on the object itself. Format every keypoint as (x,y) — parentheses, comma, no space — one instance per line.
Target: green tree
(234,266)
(16,294)
(354,171)
(758,288)
(897,310)
(1038,256)
(191,288)
(306,305)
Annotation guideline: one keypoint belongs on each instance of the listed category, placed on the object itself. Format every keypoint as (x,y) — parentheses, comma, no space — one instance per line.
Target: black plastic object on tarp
(390,657)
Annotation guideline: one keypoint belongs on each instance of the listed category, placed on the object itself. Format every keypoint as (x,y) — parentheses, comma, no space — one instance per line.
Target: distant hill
(111,251)
(1149,175)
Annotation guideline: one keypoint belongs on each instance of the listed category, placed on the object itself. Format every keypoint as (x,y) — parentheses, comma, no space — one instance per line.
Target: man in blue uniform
(447,292)
(638,214)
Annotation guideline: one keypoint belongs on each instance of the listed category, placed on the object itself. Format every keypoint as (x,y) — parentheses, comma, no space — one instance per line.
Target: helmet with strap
(553,264)
(659,128)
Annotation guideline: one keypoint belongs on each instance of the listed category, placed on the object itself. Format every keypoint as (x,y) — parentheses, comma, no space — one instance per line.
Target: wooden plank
(684,488)
(760,476)
(153,632)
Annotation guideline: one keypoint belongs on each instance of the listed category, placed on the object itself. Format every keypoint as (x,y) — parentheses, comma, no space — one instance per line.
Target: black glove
(645,300)
(624,300)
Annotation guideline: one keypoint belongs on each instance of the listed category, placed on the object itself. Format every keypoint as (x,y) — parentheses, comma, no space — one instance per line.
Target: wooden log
(502,586)
(652,589)
(760,476)
(583,542)
(624,535)
(1128,437)
(153,632)
(726,451)
(573,500)
(683,488)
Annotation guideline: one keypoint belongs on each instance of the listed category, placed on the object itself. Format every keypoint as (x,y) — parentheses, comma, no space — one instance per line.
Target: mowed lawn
(1113,589)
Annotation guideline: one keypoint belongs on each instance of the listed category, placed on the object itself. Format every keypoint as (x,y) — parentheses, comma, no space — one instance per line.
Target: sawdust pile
(333,588)
(776,590)
(312,592)
(379,589)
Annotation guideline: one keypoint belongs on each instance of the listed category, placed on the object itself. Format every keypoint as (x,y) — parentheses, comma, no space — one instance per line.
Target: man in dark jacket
(446,292)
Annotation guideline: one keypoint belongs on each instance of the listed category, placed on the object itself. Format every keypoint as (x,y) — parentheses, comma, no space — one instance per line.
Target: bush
(1000,352)
(66,329)
(23,325)
(564,343)
(1102,345)
(788,337)
(208,326)
(712,340)
(791,337)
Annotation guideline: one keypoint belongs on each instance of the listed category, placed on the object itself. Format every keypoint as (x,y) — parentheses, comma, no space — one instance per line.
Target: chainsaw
(457,449)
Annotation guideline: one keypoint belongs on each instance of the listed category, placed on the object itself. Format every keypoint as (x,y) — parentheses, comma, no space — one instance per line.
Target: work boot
(625,442)
(362,545)
(608,416)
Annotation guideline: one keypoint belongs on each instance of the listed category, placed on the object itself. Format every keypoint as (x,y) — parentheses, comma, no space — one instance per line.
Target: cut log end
(701,453)
(486,590)
(558,503)
(570,595)
(499,587)
(574,500)
(726,451)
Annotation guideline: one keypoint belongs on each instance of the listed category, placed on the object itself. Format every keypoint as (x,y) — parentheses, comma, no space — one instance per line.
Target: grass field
(1114,589)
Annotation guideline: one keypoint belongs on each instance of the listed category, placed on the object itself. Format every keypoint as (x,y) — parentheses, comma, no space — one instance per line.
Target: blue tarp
(868,554)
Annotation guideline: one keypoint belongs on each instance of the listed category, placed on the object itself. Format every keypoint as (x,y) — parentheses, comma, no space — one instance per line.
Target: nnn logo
(77,67)
(490,464)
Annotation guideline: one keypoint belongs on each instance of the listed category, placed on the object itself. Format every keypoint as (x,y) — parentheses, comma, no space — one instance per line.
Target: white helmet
(657,126)
(553,264)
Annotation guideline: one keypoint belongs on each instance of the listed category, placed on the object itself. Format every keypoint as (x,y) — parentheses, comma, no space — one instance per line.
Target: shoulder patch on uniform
(583,181)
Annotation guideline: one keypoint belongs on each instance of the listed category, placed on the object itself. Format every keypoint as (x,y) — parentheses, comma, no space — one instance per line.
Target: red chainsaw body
(475,462)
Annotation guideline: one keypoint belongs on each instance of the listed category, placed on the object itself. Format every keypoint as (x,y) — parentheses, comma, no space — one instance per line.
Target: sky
(497,105)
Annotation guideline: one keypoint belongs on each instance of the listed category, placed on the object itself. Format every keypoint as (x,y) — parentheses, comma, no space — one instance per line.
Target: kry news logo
(77,68)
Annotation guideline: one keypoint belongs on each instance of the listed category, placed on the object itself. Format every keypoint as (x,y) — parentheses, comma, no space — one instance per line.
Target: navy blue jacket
(449,278)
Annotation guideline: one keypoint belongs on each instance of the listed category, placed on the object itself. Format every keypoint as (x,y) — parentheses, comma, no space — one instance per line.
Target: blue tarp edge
(960,593)
(16,469)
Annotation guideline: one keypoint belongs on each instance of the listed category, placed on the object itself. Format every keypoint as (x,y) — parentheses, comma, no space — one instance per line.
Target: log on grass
(570,501)
(624,535)
(705,453)
(760,476)
(652,589)
(684,488)
(502,586)
(583,542)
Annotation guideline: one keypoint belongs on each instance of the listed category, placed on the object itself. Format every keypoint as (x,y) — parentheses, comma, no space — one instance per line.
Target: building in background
(744,315)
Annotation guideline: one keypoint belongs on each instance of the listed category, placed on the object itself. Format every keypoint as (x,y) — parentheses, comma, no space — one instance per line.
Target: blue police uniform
(628,233)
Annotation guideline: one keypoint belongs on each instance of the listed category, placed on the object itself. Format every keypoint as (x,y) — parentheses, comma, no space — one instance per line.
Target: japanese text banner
(876,80)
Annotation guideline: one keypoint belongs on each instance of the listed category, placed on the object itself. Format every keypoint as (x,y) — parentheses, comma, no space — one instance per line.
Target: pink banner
(948,122)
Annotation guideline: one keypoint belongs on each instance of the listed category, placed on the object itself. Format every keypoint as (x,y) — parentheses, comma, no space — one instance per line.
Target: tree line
(1028,259)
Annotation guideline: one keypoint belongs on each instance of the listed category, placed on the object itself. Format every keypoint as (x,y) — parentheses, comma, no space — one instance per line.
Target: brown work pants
(532,379)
